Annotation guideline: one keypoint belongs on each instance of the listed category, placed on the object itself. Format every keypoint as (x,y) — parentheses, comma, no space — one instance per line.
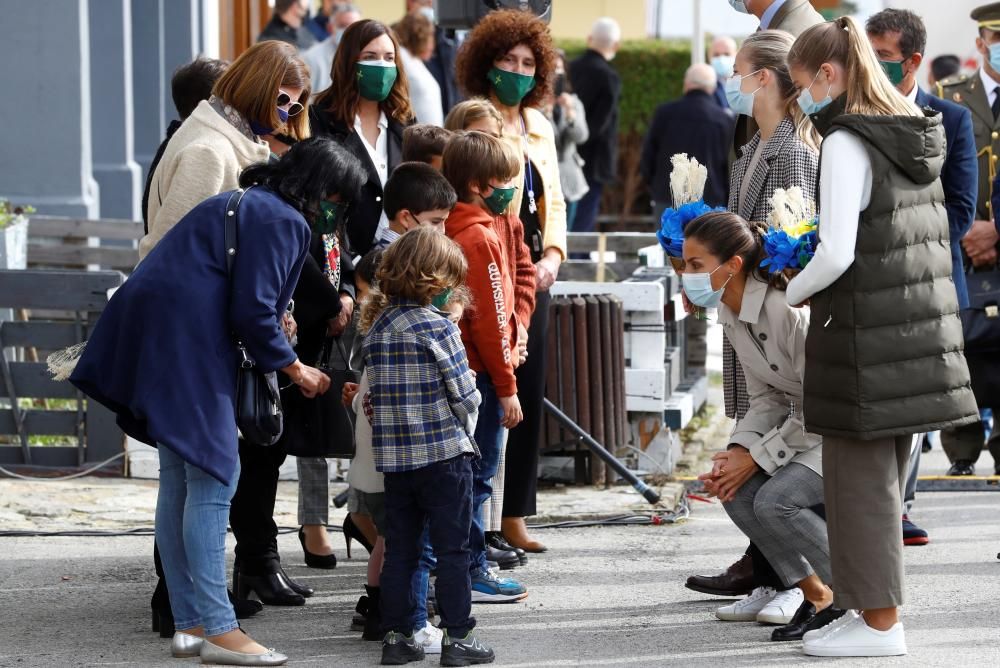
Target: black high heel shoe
(352,532)
(271,589)
(163,617)
(326,561)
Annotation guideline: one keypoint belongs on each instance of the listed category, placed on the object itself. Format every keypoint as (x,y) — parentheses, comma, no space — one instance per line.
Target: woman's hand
(348,393)
(547,270)
(336,326)
(738,468)
(522,344)
(566,102)
(512,414)
(311,381)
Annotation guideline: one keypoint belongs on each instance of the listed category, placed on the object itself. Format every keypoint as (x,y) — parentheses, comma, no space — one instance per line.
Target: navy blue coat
(960,179)
(162,355)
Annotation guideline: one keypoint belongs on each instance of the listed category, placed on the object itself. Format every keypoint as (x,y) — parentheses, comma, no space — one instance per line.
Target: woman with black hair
(163,357)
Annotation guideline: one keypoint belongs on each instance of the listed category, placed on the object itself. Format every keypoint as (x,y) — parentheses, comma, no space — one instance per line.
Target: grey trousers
(910,490)
(863,484)
(314,490)
(775,514)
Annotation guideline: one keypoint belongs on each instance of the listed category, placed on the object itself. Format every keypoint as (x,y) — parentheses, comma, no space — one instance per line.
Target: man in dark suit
(899,38)
(598,86)
(695,125)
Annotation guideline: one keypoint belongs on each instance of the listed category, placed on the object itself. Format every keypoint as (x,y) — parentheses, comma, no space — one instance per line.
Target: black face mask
(560,86)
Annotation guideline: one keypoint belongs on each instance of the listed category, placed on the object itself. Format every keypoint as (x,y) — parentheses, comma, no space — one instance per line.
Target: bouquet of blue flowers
(687,185)
(790,241)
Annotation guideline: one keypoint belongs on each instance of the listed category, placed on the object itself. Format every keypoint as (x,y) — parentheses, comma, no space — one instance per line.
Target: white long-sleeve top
(845,189)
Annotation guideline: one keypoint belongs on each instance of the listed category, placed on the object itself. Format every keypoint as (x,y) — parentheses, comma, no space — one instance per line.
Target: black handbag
(259,415)
(322,426)
(981,327)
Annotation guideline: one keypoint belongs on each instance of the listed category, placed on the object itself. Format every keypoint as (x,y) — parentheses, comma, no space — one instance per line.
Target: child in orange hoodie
(482,169)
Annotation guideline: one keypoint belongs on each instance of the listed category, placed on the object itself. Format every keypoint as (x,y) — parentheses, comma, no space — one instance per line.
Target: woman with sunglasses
(510,59)
(365,109)
(264,91)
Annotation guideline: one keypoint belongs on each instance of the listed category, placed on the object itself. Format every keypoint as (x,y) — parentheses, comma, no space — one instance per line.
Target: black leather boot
(373,619)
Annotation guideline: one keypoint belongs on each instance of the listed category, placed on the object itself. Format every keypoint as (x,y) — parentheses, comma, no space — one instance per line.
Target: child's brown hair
(476,157)
(423,142)
(417,267)
(467,112)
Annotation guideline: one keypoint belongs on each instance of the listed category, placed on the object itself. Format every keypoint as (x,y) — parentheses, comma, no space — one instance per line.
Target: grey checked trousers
(774,512)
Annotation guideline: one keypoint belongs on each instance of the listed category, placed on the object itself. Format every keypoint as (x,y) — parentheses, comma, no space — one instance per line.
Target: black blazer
(364,214)
(695,124)
(599,87)
(317,300)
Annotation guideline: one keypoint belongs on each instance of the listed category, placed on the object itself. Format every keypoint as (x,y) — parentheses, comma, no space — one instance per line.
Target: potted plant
(14,235)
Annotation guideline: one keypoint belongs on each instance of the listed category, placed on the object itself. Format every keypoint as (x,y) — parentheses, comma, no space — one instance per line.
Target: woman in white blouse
(416,45)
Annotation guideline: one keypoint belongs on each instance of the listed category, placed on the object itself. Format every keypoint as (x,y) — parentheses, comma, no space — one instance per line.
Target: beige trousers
(863,488)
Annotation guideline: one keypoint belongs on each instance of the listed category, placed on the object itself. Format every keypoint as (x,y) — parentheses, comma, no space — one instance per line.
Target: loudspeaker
(464,14)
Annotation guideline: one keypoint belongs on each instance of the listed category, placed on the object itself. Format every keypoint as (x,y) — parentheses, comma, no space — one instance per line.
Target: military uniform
(963,445)
(968,91)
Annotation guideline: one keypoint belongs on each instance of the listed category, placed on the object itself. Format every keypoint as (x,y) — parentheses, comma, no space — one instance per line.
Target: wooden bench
(55,242)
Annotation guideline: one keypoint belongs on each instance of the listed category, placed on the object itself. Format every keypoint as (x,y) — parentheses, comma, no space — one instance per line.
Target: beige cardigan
(204,158)
(541,150)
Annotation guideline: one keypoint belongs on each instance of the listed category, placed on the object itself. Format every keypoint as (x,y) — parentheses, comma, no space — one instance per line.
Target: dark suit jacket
(720,95)
(698,126)
(362,221)
(598,86)
(959,177)
(442,66)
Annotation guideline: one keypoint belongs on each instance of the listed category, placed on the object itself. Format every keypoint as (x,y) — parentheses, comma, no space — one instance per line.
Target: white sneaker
(856,638)
(781,608)
(746,609)
(429,638)
(837,623)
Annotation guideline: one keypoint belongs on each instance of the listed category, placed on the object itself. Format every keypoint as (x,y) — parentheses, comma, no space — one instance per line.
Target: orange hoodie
(510,231)
(487,327)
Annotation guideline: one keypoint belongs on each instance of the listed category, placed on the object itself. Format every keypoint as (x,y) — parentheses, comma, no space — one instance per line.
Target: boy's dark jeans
(441,495)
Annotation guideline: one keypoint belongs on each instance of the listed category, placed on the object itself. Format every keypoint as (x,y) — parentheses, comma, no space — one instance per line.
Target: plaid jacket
(423,394)
(786,161)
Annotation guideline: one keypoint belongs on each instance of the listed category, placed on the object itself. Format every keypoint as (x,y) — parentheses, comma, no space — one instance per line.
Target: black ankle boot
(360,613)
(163,617)
(373,619)
(244,608)
(271,589)
(302,590)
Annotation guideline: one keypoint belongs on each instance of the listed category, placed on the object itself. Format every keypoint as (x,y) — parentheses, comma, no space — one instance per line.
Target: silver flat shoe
(185,645)
(221,656)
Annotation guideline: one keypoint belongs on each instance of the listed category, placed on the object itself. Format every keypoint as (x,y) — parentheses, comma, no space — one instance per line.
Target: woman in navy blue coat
(163,358)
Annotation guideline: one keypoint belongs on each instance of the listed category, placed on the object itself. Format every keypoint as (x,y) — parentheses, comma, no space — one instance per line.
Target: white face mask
(723,66)
(698,288)
(429,13)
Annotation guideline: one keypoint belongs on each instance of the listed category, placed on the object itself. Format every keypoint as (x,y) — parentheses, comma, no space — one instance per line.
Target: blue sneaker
(488,588)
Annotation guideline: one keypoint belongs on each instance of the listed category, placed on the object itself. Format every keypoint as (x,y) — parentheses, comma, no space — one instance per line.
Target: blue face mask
(723,66)
(995,56)
(806,102)
(283,115)
(740,102)
(698,288)
(739,6)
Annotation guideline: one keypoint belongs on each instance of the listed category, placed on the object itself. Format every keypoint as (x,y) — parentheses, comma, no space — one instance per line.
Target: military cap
(988,16)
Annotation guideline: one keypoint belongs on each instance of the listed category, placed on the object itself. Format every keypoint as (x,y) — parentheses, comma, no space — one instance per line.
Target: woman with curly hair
(365,110)
(510,59)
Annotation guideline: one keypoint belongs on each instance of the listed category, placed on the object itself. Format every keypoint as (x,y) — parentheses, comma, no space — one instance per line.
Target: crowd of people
(405,199)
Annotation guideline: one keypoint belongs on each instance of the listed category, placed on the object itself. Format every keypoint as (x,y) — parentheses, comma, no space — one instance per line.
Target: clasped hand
(730,470)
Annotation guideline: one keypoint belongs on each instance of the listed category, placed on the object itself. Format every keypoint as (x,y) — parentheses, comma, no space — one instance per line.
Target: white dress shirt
(379,155)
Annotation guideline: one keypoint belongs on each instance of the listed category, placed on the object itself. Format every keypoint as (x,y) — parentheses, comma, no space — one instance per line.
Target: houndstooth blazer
(786,161)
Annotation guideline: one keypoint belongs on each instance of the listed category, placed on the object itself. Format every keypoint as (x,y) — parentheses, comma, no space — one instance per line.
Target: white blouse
(379,154)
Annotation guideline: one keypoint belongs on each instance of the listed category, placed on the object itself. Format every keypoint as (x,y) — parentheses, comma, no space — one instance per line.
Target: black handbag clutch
(323,426)
(981,327)
(259,415)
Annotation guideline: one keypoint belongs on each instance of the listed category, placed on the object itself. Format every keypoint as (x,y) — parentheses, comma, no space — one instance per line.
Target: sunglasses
(285,100)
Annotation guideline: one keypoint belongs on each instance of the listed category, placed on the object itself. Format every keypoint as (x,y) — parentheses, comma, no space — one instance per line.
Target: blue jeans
(588,208)
(438,497)
(571,208)
(192,510)
(422,580)
(489,438)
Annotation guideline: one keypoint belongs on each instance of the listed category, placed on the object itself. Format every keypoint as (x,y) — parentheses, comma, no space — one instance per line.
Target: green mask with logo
(441,300)
(330,215)
(894,71)
(500,199)
(510,87)
(375,79)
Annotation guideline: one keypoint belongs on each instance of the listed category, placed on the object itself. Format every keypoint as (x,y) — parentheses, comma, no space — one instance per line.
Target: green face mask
(510,87)
(440,301)
(894,71)
(330,216)
(375,79)
(500,199)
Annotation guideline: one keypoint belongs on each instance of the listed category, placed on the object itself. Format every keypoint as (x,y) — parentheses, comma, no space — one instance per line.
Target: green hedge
(652,73)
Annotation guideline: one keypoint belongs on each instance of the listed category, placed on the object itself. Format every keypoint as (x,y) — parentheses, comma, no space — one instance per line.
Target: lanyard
(532,207)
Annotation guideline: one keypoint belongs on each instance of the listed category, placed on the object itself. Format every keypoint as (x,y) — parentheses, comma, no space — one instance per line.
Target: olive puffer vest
(884,350)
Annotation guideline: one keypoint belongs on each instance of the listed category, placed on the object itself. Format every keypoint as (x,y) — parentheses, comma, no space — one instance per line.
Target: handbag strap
(232,226)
